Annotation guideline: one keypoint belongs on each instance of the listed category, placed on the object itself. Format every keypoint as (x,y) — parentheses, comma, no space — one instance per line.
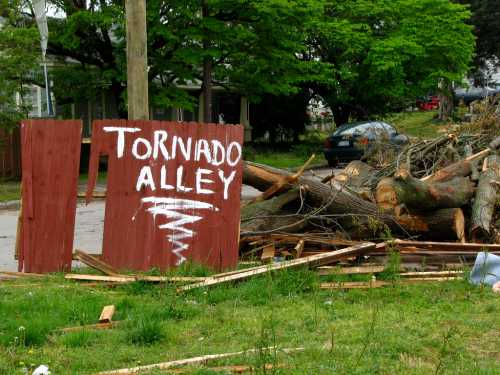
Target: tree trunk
(268,215)
(355,174)
(207,71)
(403,189)
(486,197)
(341,115)
(336,200)
(445,100)
(447,223)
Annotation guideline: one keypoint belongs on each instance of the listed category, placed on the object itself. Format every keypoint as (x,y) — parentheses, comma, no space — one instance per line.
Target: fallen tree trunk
(334,199)
(439,224)
(268,215)
(414,193)
(486,197)
(355,174)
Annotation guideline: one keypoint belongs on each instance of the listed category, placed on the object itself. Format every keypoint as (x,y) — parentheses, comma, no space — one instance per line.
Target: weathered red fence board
(50,163)
(173,192)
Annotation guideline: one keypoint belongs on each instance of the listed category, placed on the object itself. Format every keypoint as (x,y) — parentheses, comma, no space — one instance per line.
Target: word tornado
(169,208)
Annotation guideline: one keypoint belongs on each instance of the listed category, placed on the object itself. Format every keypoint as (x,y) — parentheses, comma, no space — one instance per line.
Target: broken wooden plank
(268,254)
(97,326)
(298,249)
(129,279)
(22,274)
(95,194)
(312,261)
(426,274)
(442,246)
(329,270)
(107,314)
(96,263)
(234,369)
(382,283)
(194,361)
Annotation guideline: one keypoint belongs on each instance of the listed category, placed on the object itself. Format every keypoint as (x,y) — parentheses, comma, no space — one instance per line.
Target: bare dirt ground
(89,225)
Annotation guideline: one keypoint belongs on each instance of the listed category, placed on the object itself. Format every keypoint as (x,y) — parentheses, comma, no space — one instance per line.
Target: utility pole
(137,60)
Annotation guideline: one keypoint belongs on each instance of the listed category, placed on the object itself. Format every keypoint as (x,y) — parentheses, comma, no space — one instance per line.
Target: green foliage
(19,63)
(364,57)
(486,22)
(387,52)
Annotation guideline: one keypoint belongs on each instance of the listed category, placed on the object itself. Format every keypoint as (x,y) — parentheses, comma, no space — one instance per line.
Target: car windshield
(364,128)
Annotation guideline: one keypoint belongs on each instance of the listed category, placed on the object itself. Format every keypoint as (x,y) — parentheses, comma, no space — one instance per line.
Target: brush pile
(445,189)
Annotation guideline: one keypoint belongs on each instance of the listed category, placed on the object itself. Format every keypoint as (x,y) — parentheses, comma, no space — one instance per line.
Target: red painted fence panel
(173,192)
(50,165)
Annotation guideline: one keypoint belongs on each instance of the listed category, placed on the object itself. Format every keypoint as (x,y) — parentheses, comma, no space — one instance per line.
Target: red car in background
(428,103)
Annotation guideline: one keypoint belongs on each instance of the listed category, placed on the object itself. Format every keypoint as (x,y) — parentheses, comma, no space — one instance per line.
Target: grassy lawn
(416,124)
(286,160)
(9,190)
(442,328)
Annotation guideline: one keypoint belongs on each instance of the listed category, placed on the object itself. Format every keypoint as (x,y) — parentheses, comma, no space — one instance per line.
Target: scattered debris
(41,370)
(95,263)
(486,269)
(107,314)
(311,261)
(195,360)
(105,321)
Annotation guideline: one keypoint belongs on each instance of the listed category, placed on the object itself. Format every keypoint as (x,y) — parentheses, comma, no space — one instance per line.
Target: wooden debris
(282,183)
(234,369)
(329,270)
(463,167)
(193,361)
(268,254)
(404,189)
(22,274)
(486,197)
(130,279)
(445,246)
(311,261)
(381,283)
(107,314)
(298,249)
(95,263)
(97,326)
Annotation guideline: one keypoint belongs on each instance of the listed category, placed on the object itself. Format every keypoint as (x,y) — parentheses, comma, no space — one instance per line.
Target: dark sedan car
(351,141)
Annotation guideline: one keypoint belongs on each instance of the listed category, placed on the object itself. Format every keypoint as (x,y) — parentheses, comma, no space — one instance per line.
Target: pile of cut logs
(445,189)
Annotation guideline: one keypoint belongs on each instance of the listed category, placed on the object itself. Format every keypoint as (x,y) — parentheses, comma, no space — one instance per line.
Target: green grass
(416,124)
(284,160)
(9,191)
(441,328)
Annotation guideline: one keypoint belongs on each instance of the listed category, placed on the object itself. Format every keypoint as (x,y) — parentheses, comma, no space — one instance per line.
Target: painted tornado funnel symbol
(170,208)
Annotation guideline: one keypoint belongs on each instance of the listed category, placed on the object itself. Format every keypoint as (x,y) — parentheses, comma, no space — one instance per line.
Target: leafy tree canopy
(19,63)
(486,21)
(387,52)
(363,57)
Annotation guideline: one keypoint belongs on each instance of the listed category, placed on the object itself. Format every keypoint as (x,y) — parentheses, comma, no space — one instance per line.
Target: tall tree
(247,46)
(486,22)
(19,64)
(388,52)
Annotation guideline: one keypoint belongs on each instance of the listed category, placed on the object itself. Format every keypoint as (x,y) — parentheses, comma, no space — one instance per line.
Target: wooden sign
(173,192)
(50,166)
